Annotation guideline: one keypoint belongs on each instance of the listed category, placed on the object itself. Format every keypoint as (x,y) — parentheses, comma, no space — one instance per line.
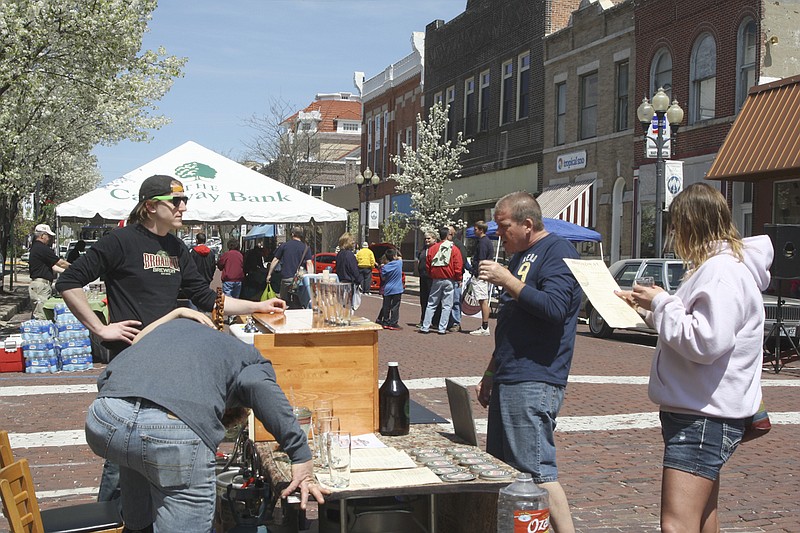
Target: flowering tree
(72,76)
(425,173)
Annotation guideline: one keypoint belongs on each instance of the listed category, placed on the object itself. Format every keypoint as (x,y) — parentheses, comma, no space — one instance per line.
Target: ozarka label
(537,521)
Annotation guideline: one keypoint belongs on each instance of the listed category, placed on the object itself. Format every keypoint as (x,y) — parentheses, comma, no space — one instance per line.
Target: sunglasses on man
(176,200)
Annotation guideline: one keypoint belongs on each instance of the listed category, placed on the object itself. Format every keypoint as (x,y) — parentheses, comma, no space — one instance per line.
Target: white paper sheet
(381,479)
(367,440)
(380,459)
(596,281)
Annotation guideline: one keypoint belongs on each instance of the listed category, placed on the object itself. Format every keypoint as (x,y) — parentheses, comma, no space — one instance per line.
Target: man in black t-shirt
(43,265)
(291,255)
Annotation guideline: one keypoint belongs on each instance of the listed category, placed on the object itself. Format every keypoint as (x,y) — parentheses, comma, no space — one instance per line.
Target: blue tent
(568,230)
(263,230)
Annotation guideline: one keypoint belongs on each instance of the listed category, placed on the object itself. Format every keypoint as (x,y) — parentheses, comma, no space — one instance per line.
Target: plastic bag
(268,293)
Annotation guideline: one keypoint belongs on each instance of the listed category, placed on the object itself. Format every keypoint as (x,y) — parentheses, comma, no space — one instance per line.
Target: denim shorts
(699,445)
(166,470)
(522,419)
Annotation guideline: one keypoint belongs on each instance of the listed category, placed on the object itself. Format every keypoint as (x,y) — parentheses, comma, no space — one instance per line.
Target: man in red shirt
(445,266)
(231,263)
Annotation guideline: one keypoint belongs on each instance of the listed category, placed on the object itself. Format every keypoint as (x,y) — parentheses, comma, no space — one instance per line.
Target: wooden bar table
(314,360)
(465,506)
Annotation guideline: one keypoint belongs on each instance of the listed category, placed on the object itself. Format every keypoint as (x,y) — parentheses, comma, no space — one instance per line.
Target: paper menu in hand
(596,281)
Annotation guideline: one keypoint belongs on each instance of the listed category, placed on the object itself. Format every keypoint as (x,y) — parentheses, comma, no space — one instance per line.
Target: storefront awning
(572,202)
(763,142)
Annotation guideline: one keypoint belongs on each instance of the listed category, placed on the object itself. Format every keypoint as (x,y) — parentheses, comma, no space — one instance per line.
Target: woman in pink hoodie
(706,372)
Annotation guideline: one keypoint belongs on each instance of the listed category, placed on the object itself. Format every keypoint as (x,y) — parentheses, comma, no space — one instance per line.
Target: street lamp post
(661,108)
(364,181)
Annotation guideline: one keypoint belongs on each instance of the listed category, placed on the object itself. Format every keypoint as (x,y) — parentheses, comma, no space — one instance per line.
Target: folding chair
(21,507)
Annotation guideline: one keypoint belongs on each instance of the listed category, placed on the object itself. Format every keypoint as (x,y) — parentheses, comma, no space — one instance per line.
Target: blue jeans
(232,288)
(699,445)
(441,291)
(166,470)
(455,314)
(522,419)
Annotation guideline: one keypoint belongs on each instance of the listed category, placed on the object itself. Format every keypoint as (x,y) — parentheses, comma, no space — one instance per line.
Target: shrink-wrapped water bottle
(523,507)
(393,404)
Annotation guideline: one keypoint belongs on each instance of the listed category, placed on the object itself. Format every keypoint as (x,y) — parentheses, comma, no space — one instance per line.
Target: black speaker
(786,241)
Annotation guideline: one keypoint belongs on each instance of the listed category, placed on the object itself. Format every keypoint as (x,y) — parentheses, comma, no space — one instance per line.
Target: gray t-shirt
(196,372)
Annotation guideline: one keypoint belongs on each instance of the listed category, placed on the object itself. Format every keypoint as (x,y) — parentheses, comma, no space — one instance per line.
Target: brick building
(486,64)
(391,100)
(707,55)
(589,121)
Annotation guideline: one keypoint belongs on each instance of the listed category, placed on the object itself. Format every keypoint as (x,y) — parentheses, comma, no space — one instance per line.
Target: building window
(409,138)
(385,128)
(523,85)
(450,95)
(703,79)
(621,108)
(745,61)
(317,191)
(369,136)
(377,132)
(483,102)
(506,92)
(561,113)
(437,98)
(661,73)
(588,117)
(469,106)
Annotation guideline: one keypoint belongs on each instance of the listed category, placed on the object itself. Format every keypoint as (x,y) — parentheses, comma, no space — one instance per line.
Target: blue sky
(244,52)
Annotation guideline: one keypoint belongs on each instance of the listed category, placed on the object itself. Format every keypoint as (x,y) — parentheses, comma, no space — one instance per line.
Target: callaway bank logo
(161,263)
(195,171)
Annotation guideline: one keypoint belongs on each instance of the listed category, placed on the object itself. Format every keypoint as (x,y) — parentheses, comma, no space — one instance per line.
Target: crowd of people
(705,374)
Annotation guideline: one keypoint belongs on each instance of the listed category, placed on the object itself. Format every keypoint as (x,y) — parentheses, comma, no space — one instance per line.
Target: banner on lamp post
(373,214)
(673,181)
(651,148)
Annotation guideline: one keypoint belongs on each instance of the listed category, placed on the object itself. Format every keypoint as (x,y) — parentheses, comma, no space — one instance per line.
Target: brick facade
(486,36)
(598,42)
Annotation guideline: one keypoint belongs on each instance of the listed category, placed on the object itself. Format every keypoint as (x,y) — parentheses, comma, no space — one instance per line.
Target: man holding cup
(524,383)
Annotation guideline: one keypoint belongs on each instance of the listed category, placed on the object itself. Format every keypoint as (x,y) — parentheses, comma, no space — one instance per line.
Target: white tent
(220,191)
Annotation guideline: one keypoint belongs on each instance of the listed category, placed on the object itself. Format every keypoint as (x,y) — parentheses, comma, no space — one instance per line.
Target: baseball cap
(43,228)
(365,244)
(158,185)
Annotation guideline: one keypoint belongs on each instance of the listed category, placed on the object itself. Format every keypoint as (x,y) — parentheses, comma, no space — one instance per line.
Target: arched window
(703,79)
(745,60)
(661,73)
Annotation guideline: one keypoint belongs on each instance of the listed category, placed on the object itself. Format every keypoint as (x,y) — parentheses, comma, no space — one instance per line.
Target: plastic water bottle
(523,507)
(393,404)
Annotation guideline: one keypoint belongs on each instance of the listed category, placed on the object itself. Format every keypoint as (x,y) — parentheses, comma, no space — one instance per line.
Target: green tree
(72,76)
(426,172)
(395,227)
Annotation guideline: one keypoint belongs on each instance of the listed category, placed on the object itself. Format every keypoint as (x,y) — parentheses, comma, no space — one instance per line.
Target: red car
(324,260)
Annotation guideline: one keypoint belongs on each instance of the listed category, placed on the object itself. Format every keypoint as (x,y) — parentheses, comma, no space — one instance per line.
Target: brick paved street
(608,438)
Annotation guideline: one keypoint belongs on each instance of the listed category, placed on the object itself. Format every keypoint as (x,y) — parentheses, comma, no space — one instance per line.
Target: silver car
(667,274)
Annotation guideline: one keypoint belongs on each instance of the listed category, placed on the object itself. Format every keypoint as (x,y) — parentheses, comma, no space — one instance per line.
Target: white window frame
(385,128)
(622,100)
(585,106)
(369,135)
(560,127)
(507,70)
(657,74)
(743,65)
(485,81)
(523,65)
(703,79)
(377,132)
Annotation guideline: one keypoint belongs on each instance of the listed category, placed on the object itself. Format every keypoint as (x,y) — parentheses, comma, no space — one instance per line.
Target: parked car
(667,274)
(71,246)
(325,260)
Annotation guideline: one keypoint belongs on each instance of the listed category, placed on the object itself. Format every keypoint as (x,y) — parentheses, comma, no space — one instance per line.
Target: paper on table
(367,440)
(380,459)
(379,479)
(596,281)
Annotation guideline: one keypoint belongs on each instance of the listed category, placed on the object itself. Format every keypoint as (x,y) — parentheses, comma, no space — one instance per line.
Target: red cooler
(11,359)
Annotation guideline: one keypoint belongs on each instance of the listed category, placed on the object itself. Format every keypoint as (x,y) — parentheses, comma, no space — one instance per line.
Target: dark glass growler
(393,404)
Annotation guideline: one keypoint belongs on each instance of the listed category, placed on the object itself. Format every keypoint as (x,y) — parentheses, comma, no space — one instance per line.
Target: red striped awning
(573,202)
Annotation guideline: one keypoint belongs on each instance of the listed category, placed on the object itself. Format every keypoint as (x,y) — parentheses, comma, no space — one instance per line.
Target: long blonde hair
(700,216)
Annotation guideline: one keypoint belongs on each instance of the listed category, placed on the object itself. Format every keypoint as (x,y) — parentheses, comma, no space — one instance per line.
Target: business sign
(571,161)
(651,151)
(673,181)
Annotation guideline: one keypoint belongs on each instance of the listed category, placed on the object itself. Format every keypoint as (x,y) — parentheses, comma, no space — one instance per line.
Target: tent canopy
(219,189)
(260,231)
(568,230)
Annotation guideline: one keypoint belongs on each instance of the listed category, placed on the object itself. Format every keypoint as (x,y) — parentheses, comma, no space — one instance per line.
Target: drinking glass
(645,281)
(344,303)
(313,285)
(338,447)
(303,416)
(318,415)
